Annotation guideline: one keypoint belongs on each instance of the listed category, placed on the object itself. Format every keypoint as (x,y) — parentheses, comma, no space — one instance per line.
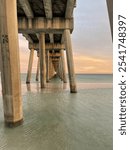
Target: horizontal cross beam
(40,24)
(48,46)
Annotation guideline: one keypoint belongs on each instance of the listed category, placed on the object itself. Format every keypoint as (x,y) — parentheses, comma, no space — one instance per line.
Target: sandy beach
(54,119)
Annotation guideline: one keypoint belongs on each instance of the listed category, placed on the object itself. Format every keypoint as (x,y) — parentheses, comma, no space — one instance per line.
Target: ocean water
(54,119)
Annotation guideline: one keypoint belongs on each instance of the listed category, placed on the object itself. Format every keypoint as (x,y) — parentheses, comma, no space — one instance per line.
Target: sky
(91,40)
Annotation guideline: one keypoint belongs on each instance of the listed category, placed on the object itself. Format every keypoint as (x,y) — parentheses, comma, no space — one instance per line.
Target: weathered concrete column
(47,64)
(70,62)
(10,74)
(51,69)
(30,66)
(38,65)
(0,57)
(42,55)
(56,65)
(110,13)
(63,66)
(60,69)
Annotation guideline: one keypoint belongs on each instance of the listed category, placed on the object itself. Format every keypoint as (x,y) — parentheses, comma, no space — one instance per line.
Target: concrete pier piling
(110,13)
(63,66)
(38,68)
(70,62)
(47,66)
(10,71)
(30,66)
(42,55)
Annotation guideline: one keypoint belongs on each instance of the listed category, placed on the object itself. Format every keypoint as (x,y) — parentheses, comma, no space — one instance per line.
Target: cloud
(89,64)
(24,59)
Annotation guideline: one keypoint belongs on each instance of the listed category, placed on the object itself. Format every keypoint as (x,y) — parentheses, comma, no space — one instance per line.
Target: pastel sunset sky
(91,39)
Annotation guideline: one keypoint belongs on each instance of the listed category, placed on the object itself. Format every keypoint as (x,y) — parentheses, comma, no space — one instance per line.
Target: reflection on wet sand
(54,119)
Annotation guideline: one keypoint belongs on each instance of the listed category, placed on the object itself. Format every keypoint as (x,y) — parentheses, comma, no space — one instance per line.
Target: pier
(47,25)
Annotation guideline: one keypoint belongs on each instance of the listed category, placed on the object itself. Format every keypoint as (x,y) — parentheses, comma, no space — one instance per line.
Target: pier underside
(47,25)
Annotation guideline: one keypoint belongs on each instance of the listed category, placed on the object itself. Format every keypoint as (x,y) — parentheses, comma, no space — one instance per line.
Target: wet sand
(54,119)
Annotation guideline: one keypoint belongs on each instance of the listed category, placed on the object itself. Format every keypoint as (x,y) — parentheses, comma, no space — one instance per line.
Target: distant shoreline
(81,73)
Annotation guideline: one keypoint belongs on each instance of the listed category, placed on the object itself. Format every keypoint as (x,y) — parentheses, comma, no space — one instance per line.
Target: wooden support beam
(30,66)
(69,54)
(40,24)
(38,65)
(26,8)
(110,13)
(10,74)
(69,8)
(28,38)
(48,8)
(42,55)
